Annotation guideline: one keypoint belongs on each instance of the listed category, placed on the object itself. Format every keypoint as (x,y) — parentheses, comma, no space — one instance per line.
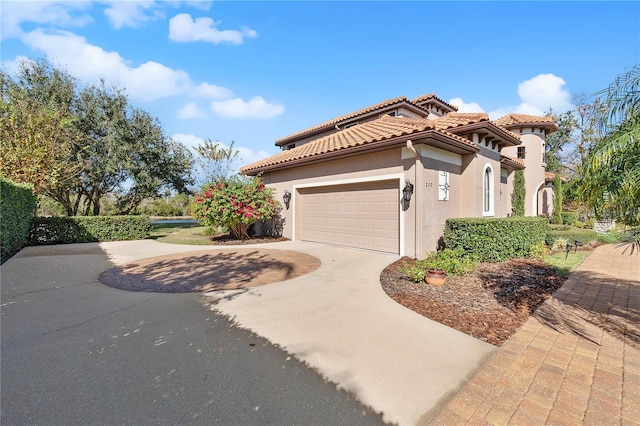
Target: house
(386,177)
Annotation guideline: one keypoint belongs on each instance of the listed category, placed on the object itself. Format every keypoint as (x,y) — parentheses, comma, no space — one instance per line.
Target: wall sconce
(407,191)
(286,198)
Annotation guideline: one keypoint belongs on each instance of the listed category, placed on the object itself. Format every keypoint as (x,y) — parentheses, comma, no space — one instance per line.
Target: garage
(363,215)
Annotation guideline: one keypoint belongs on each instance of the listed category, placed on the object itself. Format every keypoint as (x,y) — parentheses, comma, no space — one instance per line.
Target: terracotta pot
(435,277)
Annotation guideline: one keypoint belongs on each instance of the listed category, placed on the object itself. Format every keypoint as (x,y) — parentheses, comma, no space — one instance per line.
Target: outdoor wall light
(286,198)
(407,191)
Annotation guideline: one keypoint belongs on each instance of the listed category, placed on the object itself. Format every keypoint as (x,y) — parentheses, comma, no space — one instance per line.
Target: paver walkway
(575,361)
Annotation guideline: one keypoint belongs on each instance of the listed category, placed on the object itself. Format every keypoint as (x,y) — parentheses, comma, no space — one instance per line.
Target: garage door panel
(360,215)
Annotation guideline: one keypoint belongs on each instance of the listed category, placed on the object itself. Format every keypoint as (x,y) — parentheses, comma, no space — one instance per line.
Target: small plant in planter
(448,262)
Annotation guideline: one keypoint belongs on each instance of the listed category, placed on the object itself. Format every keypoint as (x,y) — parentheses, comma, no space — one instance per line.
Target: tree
(519,193)
(557,201)
(103,145)
(37,128)
(235,204)
(611,183)
(557,142)
(216,161)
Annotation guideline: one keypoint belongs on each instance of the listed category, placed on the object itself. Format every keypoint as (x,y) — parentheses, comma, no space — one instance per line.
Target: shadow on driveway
(210,271)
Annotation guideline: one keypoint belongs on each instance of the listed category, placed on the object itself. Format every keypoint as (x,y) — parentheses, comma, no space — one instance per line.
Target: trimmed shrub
(17,206)
(87,229)
(570,235)
(495,239)
(569,218)
(453,262)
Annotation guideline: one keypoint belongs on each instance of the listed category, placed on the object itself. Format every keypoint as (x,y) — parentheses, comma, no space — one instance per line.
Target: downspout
(417,242)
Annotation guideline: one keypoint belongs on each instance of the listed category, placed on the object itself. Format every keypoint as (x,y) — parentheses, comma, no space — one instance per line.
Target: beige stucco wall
(385,165)
(422,221)
(533,140)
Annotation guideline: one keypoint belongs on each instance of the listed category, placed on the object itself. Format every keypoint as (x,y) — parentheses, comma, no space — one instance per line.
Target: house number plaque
(428,185)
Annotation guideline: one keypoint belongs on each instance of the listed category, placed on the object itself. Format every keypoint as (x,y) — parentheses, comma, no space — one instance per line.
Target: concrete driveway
(336,319)
(77,352)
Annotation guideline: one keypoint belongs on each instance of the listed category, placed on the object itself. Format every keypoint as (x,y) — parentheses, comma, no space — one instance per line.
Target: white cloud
(132,14)
(466,107)
(537,95)
(189,111)
(188,140)
(248,156)
(68,14)
(211,91)
(148,81)
(183,28)
(542,92)
(256,107)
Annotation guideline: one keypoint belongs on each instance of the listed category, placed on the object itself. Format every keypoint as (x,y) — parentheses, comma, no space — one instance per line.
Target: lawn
(180,233)
(564,262)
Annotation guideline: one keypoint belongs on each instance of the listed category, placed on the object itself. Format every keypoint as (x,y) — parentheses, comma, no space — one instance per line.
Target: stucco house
(387,177)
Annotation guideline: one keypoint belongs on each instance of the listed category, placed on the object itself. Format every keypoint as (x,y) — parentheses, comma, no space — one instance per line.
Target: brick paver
(202,271)
(575,361)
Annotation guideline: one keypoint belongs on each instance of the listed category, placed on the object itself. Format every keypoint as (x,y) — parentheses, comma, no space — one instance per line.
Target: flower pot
(435,277)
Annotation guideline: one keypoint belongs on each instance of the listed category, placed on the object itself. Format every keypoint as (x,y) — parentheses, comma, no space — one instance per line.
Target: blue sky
(253,72)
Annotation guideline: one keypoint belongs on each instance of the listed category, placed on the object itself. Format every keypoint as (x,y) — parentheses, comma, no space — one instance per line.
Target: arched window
(487,191)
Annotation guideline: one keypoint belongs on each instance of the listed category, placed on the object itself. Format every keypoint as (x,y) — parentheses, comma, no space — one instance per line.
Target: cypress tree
(519,194)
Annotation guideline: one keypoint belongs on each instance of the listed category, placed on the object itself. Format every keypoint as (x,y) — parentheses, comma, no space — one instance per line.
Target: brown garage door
(363,215)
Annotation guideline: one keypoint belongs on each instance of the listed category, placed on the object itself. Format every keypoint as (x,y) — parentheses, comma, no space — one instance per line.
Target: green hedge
(494,239)
(17,206)
(86,229)
(571,234)
(569,218)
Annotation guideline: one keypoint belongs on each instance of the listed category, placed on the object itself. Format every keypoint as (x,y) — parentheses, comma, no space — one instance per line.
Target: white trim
(492,187)
(399,176)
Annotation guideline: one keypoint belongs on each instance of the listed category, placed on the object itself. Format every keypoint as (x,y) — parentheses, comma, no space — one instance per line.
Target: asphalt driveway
(75,351)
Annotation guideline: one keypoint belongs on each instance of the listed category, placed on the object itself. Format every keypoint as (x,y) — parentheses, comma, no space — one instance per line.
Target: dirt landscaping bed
(489,304)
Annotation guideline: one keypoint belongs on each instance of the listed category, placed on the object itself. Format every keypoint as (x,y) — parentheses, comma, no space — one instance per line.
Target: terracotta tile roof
(515,163)
(379,130)
(549,177)
(432,96)
(457,119)
(523,120)
(331,123)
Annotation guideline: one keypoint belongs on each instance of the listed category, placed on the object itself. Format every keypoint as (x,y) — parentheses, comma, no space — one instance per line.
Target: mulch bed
(228,240)
(490,304)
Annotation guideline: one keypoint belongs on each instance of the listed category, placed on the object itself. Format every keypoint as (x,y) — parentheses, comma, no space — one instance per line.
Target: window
(521,152)
(544,154)
(487,191)
(392,113)
(443,186)
(291,146)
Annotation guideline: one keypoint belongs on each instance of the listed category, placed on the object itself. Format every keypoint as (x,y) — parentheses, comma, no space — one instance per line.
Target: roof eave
(427,137)
(508,139)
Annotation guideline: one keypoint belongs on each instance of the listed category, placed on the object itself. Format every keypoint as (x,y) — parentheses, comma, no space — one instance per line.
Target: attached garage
(363,215)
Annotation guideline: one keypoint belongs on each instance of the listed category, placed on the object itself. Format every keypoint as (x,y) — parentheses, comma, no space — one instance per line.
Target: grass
(180,233)
(565,266)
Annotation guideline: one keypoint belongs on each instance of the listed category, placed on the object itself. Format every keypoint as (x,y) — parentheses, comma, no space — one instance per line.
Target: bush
(539,250)
(87,229)
(493,239)
(571,234)
(235,204)
(17,206)
(559,244)
(453,262)
(569,218)
(415,271)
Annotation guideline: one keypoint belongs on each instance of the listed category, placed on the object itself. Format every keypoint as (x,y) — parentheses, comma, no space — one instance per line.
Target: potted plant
(435,277)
